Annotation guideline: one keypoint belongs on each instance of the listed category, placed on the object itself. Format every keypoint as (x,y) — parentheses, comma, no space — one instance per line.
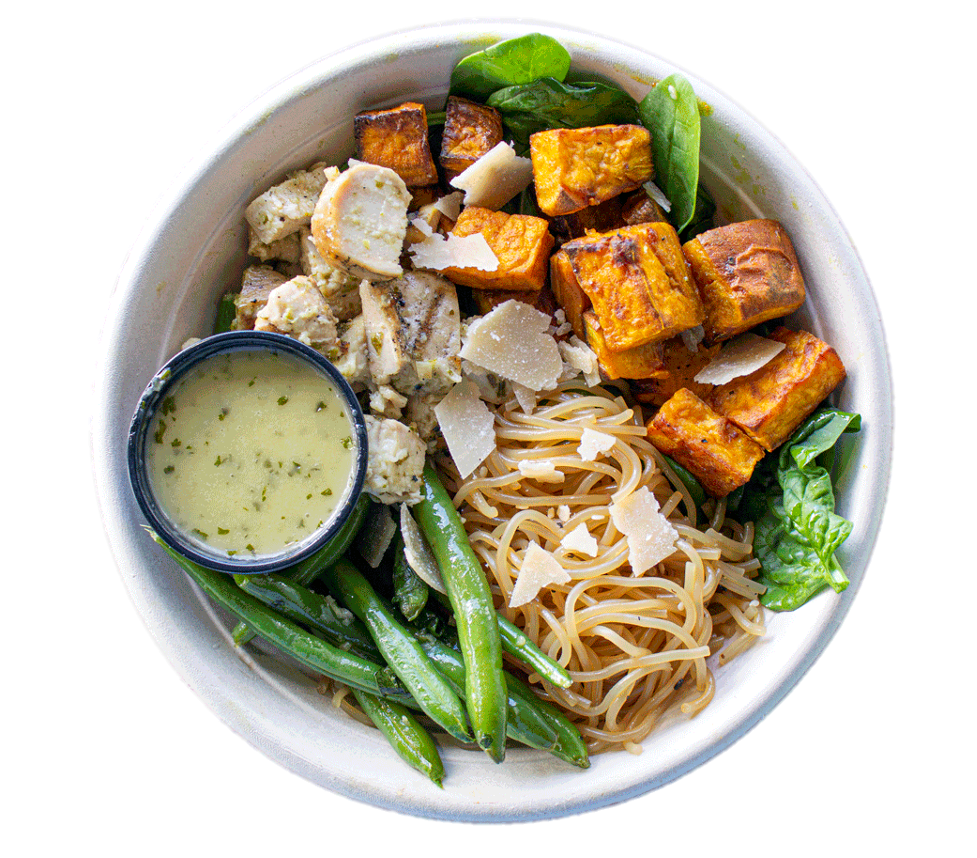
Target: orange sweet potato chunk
(397,139)
(640,362)
(470,131)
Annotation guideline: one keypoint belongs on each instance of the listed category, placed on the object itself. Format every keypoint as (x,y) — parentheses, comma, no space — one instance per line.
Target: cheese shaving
(539,569)
(467,425)
(580,541)
(594,444)
(449,206)
(741,356)
(495,178)
(541,469)
(437,252)
(512,341)
(651,538)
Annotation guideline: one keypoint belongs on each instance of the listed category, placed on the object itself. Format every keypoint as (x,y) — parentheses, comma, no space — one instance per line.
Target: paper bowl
(199,238)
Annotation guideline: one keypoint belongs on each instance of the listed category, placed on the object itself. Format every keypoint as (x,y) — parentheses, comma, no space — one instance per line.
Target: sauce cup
(247,452)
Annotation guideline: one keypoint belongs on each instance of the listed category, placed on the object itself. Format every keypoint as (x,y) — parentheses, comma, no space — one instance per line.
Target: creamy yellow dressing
(251,452)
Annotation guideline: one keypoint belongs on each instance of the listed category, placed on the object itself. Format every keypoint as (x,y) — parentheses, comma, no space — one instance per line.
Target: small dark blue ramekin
(157,390)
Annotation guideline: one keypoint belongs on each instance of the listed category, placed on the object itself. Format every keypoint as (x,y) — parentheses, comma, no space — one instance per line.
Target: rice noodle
(636,647)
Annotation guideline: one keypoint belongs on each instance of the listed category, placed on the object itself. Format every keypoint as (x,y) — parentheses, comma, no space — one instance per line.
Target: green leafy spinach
(792,501)
(514,61)
(670,111)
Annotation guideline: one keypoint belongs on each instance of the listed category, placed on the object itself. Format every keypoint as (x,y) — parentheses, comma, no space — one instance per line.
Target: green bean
(405,733)
(306,571)
(400,649)
(410,592)
(524,650)
(475,617)
(317,612)
(570,745)
(523,722)
(226,313)
(301,645)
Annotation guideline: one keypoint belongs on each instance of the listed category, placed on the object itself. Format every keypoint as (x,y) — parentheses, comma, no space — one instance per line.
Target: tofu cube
(770,403)
(397,139)
(578,167)
(638,282)
(640,362)
(680,369)
(717,452)
(746,273)
(521,243)
(470,131)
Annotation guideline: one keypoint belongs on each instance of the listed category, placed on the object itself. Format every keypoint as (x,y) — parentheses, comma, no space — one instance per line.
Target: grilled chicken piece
(395,462)
(256,285)
(360,222)
(297,309)
(397,138)
(287,207)
(413,332)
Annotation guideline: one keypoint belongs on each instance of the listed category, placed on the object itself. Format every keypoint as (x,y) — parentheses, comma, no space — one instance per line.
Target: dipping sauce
(250,452)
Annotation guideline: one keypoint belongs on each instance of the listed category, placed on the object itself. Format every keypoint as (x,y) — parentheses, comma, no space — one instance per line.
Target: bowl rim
(163,382)
(473,31)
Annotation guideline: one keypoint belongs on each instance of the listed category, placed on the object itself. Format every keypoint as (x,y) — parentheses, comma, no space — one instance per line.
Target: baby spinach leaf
(550,103)
(670,111)
(514,61)
(797,529)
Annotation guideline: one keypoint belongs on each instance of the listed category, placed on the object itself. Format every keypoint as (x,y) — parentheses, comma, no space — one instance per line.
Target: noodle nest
(636,646)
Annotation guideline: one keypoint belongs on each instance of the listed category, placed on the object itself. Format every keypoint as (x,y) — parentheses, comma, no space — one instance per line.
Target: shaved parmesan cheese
(541,469)
(563,512)
(580,358)
(594,444)
(437,252)
(539,569)
(580,541)
(658,195)
(378,532)
(449,206)
(419,556)
(495,178)
(740,356)
(525,397)
(467,426)
(513,342)
(651,537)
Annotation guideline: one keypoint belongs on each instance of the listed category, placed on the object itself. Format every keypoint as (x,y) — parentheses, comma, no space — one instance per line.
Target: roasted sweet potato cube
(717,452)
(640,208)
(638,282)
(522,244)
(746,273)
(568,293)
(488,299)
(640,362)
(470,130)
(600,218)
(681,367)
(770,403)
(578,167)
(397,139)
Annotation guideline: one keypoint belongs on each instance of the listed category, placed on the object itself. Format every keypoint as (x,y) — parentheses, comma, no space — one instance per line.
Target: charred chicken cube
(638,282)
(470,131)
(521,243)
(747,273)
(716,451)
(770,403)
(640,362)
(578,167)
(397,139)
(680,368)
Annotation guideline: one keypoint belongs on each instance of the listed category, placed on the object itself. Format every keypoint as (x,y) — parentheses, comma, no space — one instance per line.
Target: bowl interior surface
(195,251)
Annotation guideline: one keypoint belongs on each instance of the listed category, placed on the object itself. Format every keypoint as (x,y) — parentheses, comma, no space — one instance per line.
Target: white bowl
(195,250)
